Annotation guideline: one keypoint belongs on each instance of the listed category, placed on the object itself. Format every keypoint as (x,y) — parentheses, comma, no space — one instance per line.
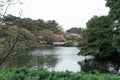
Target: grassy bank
(42,74)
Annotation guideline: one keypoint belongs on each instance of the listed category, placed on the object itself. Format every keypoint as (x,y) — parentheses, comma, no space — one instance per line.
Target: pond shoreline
(63,58)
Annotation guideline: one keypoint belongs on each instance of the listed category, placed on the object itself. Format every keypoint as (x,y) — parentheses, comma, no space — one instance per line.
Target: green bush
(68,44)
(42,74)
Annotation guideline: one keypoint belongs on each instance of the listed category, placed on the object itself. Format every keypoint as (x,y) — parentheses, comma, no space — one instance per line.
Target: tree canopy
(32,25)
(18,34)
(102,36)
(114,6)
(48,35)
(76,30)
(98,37)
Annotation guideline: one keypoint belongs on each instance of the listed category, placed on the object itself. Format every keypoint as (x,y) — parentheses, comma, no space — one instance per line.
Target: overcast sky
(68,13)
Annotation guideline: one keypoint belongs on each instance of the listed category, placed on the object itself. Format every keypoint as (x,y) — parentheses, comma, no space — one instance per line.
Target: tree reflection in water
(47,61)
(33,61)
(101,66)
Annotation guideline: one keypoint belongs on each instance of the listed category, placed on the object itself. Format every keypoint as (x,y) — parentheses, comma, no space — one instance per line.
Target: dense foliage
(76,30)
(48,36)
(114,6)
(32,25)
(98,37)
(42,74)
(114,13)
(18,34)
(102,36)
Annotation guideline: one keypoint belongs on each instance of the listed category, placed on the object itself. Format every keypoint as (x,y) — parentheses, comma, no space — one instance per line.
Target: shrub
(42,74)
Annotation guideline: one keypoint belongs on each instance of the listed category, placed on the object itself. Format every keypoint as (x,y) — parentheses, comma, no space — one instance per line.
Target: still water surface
(54,58)
(62,59)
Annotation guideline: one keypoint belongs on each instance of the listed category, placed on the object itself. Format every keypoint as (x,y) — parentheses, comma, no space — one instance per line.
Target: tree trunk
(7,53)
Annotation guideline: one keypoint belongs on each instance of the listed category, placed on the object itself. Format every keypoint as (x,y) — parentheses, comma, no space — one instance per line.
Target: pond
(51,58)
(62,59)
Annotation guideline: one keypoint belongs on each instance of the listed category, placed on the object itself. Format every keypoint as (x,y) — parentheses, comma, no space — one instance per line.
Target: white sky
(68,13)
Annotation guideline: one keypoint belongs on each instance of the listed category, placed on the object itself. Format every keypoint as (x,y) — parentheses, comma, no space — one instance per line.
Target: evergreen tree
(102,36)
(98,37)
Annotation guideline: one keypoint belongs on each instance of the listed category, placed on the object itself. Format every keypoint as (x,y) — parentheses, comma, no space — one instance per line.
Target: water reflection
(57,58)
(101,66)
(34,61)
(62,59)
